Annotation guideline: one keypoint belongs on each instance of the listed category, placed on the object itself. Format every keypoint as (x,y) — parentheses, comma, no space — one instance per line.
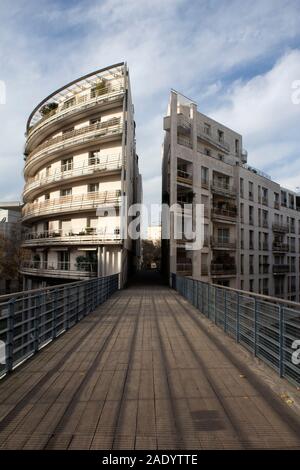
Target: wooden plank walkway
(141,372)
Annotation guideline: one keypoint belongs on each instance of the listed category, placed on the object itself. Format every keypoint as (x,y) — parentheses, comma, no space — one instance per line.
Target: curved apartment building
(81,173)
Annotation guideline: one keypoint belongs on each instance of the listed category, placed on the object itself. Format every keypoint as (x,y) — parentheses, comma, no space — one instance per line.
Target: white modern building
(251,224)
(81,173)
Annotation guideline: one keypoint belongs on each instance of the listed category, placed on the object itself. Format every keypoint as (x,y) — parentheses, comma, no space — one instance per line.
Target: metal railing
(77,136)
(223,188)
(266,326)
(103,163)
(30,320)
(60,236)
(206,134)
(71,203)
(79,103)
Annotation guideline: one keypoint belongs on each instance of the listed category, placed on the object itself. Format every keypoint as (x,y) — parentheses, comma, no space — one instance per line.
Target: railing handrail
(100,197)
(61,111)
(53,233)
(109,162)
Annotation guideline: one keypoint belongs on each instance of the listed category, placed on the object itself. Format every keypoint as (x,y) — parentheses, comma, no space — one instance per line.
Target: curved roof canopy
(80,84)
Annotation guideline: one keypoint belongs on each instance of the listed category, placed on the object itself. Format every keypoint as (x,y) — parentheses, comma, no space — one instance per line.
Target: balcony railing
(63,269)
(223,243)
(280,268)
(220,269)
(265,326)
(104,163)
(276,205)
(280,247)
(86,236)
(277,227)
(223,189)
(184,177)
(108,94)
(204,184)
(99,129)
(224,213)
(32,319)
(205,134)
(185,141)
(73,203)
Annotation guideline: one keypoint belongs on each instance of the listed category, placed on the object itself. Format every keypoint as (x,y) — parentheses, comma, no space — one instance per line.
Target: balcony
(280,247)
(281,228)
(78,105)
(75,203)
(223,189)
(184,177)
(103,164)
(223,244)
(85,237)
(280,269)
(229,215)
(264,201)
(276,205)
(206,135)
(223,269)
(59,270)
(77,137)
(185,141)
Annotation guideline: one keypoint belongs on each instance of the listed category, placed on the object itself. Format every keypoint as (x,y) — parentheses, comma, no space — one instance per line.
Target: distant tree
(11,254)
(151,253)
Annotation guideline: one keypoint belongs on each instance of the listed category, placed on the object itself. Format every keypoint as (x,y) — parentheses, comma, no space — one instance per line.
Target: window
(291,201)
(265,196)
(220,136)
(265,218)
(63,260)
(242,238)
(221,157)
(283,199)
(251,284)
(259,193)
(66,192)
(223,235)
(237,146)
(242,212)
(251,264)
(242,264)
(68,103)
(204,175)
(67,164)
(251,240)
(251,218)
(241,187)
(96,120)
(48,170)
(207,129)
(94,157)
(207,152)
(93,188)
(47,196)
(250,191)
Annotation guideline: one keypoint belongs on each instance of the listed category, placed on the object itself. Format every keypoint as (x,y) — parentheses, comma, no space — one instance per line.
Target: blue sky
(236,59)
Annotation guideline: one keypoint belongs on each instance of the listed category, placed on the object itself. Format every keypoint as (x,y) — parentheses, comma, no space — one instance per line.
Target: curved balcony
(88,236)
(74,108)
(104,164)
(69,204)
(75,139)
(59,270)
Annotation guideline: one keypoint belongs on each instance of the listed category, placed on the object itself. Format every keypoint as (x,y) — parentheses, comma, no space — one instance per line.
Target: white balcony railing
(63,269)
(102,164)
(107,95)
(86,236)
(72,203)
(77,136)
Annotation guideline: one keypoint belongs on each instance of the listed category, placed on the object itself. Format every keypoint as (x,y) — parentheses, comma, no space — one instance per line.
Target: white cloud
(262,110)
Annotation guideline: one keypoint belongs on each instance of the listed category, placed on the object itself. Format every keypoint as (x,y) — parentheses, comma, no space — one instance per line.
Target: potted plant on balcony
(48,109)
(100,88)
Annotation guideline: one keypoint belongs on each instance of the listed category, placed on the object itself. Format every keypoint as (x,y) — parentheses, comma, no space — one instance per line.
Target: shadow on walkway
(146,278)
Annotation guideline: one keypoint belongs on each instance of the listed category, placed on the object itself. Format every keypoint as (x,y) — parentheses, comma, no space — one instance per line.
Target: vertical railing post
(238,317)
(255,327)
(208,301)
(54,314)
(281,340)
(37,317)
(225,310)
(10,336)
(215,306)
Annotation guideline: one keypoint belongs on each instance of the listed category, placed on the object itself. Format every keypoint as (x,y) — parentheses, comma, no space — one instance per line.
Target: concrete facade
(251,224)
(81,173)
